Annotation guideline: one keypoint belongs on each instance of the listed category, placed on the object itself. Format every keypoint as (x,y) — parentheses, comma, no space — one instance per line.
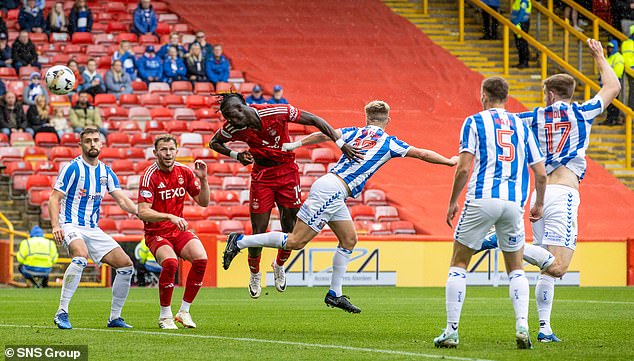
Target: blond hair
(377,110)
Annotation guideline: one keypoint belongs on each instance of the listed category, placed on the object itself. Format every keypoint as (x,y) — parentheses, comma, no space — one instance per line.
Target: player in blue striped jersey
(501,148)
(80,187)
(563,129)
(326,201)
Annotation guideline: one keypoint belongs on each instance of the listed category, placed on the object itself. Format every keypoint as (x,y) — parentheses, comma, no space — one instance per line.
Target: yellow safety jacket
(37,252)
(627,49)
(617,63)
(142,253)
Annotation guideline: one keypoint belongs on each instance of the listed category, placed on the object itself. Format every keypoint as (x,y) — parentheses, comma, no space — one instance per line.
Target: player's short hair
(88,130)
(563,85)
(164,138)
(496,89)
(226,97)
(377,110)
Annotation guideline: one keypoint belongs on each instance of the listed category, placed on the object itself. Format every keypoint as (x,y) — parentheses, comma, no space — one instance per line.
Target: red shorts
(273,185)
(176,240)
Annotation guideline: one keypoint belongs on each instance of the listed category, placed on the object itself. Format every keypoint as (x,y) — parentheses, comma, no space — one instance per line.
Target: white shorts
(325,203)
(558,227)
(478,215)
(97,241)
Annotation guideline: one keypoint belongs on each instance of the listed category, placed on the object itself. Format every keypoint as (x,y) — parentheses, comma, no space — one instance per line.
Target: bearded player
(275,175)
(164,186)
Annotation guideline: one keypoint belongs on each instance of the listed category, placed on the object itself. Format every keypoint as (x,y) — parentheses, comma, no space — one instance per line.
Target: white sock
(185,306)
(120,288)
(166,312)
(72,276)
(455,293)
(270,239)
(519,293)
(339,265)
(544,294)
(538,256)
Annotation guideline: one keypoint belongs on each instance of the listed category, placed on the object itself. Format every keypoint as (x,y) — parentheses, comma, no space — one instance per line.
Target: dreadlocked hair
(226,98)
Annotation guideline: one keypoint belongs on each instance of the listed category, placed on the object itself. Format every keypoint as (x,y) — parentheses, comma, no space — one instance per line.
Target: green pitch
(395,324)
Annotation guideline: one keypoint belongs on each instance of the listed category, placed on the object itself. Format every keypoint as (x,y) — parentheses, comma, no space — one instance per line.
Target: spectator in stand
(256,96)
(3,88)
(145,19)
(217,66)
(174,67)
(117,80)
(127,58)
(277,97)
(84,114)
(23,52)
(5,52)
(489,23)
(80,18)
(12,116)
(205,47)
(627,49)
(93,83)
(57,22)
(40,4)
(521,18)
(173,42)
(6,5)
(3,27)
(150,66)
(74,66)
(60,122)
(36,257)
(616,61)
(195,63)
(31,18)
(38,116)
(34,89)
(623,15)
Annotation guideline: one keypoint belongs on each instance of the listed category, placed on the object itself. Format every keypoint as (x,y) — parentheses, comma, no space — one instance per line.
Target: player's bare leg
(166,257)
(259,223)
(287,220)
(347,236)
(121,262)
(79,254)
(545,290)
(519,294)
(194,252)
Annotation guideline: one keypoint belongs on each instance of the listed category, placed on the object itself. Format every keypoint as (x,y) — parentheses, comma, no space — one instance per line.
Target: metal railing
(545,55)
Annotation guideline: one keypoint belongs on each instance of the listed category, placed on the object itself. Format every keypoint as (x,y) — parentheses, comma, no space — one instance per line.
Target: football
(60,79)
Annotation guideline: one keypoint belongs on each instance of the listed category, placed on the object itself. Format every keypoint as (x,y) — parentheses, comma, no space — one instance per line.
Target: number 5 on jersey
(503,138)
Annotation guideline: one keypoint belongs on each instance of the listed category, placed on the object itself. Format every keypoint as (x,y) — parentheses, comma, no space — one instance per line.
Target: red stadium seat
(214,183)
(296,129)
(131,227)
(123,167)
(207,227)
(18,168)
(44,167)
(25,71)
(118,140)
(205,154)
(380,229)
(195,101)
(115,27)
(37,182)
(207,114)
(229,226)
(105,99)
(362,213)
(148,40)
(184,155)
(302,155)
(103,39)
(162,29)
(159,88)
(129,100)
(234,183)
(374,197)
(323,155)
(151,100)
(314,169)
(96,50)
(193,213)
(59,100)
(246,88)
(236,75)
(402,227)
(8,73)
(115,113)
(39,153)
(69,139)
(220,169)
(130,127)
(108,225)
(226,198)
(72,49)
(191,140)
(184,114)
(16,86)
(202,127)
(108,154)
(131,37)
(21,139)
(142,140)
(306,182)
(82,38)
(139,87)
(38,38)
(173,101)
(115,7)
(161,114)
(224,87)
(39,197)
(154,127)
(239,213)
(168,18)
(181,87)
(12,14)
(386,214)
(139,114)
(202,88)
(4,140)
(46,139)
(141,166)
(176,127)
(133,154)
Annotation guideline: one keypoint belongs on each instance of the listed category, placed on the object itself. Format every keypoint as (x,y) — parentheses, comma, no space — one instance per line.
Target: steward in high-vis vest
(627,49)
(36,256)
(615,59)
(521,18)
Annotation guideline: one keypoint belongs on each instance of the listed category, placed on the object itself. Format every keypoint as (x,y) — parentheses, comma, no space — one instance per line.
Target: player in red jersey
(275,176)
(164,186)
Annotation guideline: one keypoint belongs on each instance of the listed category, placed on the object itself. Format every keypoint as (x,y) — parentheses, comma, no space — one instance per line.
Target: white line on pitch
(279,342)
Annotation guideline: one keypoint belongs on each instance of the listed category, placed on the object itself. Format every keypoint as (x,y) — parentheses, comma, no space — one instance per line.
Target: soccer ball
(60,80)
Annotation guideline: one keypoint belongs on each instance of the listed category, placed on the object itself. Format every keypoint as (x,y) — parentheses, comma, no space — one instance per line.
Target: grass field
(395,324)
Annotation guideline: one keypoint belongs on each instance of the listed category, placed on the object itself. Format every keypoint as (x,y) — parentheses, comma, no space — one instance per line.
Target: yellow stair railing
(545,55)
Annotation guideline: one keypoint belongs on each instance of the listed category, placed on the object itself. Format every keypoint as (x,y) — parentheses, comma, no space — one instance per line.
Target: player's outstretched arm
(53,206)
(611,84)
(460,179)
(431,157)
(217,143)
(124,202)
(539,172)
(349,151)
(314,138)
(147,214)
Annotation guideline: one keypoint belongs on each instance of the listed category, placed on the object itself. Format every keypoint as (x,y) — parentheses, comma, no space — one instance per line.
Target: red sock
(254,264)
(282,256)
(194,279)
(166,281)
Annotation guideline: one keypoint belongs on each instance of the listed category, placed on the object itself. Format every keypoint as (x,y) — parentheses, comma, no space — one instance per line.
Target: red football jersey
(266,143)
(166,192)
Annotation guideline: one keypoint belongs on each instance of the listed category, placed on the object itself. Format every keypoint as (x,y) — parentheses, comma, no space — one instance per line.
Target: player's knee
(294,243)
(349,242)
(169,265)
(557,270)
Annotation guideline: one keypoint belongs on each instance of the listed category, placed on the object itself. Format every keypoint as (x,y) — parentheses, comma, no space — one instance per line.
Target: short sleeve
(113,181)
(468,136)
(533,153)
(398,148)
(527,117)
(146,189)
(66,177)
(193,183)
(293,113)
(592,108)
(348,133)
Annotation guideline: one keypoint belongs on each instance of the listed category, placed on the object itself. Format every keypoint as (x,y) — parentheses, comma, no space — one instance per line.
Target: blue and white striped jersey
(504,147)
(563,131)
(84,186)
(377,146)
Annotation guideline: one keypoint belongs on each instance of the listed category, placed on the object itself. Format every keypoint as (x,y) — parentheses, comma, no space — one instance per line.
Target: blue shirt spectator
(5,51)
(3,88)
(256,96)
(150,66)
(80,18)
(277,97)
(145,19)
(117,80)
(174,42)
(38,3)
(31,18)
(127,58)
(33,89)
(174,67)
(93,82)
(217,66)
